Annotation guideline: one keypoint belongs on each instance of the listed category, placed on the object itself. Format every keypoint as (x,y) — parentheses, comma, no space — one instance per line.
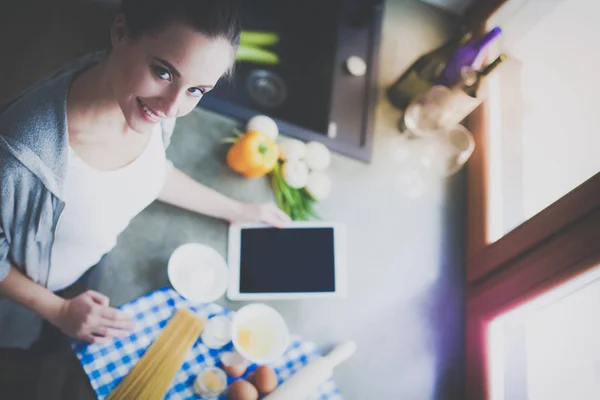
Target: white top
(98,206)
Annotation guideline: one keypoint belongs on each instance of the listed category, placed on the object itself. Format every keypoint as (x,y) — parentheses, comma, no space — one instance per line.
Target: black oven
(310,92)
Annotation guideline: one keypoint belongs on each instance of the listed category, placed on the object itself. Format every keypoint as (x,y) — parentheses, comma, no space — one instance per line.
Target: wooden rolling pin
(306,382)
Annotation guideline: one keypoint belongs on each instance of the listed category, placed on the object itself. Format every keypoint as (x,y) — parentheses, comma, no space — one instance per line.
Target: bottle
(423,73)
(466,56)
(471,79)
(465,96)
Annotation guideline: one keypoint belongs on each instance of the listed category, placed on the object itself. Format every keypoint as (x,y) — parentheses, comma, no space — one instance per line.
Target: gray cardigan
(33,166)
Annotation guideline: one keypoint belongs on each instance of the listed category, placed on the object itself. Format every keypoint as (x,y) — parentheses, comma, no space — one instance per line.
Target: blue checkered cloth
(107,364)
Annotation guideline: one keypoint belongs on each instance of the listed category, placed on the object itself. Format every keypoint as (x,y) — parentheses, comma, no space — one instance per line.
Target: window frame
(547,250)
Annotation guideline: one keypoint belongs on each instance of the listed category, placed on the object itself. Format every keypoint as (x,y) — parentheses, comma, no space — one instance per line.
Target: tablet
(303,260)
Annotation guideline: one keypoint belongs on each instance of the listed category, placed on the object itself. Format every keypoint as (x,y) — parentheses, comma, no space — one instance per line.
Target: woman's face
(164,75)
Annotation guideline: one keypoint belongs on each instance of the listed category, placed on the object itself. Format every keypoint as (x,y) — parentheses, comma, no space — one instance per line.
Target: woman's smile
(148,113)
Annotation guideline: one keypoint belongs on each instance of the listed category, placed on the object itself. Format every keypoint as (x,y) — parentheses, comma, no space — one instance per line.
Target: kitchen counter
(406,256)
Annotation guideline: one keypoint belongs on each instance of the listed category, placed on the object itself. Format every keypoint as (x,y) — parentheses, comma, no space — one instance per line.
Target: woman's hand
(182,191)
(88,317)
(267,213)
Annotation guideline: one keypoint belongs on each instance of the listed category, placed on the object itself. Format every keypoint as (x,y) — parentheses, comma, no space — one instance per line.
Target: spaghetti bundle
(153,374)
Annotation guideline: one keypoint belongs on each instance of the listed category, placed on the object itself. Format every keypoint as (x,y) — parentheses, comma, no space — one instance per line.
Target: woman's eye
(196,91)
(162,73)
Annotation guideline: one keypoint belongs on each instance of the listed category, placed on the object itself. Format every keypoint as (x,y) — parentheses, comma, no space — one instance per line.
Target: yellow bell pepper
(254,154)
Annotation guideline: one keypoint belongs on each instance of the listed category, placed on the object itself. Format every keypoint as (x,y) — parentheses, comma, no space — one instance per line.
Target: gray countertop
(406,256)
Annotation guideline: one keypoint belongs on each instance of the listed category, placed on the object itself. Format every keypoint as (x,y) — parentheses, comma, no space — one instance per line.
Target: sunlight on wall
(561,340)
(547,146)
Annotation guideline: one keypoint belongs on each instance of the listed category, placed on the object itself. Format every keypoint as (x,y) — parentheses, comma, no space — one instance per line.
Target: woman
(87,147)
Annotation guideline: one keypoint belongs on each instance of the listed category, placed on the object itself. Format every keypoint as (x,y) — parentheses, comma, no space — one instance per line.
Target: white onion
(318,156)
(318,185)
(291,149)
(263,124)
(295,173)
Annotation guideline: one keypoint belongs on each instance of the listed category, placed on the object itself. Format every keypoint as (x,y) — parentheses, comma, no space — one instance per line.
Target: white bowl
(198,272)
(270,321)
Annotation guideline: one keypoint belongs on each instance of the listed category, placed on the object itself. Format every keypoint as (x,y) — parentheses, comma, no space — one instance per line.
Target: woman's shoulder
(33,129)
(33,126)
(13,173)
(44,102)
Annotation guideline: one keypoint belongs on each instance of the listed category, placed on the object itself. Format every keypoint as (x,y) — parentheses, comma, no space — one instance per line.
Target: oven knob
(356,66)
(332,130)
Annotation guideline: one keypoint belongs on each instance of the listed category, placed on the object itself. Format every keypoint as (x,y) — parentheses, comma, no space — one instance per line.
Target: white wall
(548,140)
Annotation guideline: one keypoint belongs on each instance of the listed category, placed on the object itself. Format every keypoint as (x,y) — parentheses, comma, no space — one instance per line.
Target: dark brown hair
(214,18)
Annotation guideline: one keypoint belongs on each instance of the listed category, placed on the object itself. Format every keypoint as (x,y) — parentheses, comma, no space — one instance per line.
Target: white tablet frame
(233,261)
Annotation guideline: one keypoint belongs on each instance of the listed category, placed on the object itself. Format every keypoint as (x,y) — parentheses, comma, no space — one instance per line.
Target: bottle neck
(488,38)
(493,65)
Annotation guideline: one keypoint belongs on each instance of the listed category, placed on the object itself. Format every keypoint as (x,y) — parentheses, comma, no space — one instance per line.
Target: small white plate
(198,272)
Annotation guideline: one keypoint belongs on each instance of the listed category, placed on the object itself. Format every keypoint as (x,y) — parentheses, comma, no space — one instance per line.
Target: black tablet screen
(291,260)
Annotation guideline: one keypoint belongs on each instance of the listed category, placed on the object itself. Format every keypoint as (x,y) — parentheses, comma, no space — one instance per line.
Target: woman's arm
(24,291)
(182,191)
(87,316)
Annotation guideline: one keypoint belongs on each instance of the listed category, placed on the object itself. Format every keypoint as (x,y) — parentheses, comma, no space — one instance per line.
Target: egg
(235,371)
(264,379)
(233,364)
(242,390)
